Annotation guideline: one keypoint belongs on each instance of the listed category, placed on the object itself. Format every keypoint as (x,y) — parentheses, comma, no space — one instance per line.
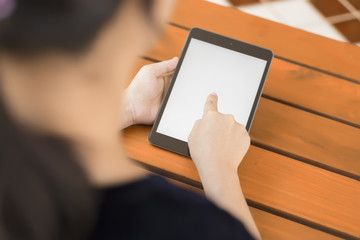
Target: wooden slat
(287,42)
(295,189)
(287,185)
(314,91)
(272,227)
(298,137)
(280,184)
(288,82)
(321,141)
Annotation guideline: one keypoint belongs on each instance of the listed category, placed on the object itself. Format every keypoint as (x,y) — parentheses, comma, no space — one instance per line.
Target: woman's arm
(217,146)
(142,99)
(217,143)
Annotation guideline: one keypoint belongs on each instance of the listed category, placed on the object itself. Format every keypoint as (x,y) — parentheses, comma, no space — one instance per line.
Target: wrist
(221,184)
(214,169)
(218,177)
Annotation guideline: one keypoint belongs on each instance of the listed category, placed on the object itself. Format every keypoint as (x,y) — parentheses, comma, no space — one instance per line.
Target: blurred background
(336,19)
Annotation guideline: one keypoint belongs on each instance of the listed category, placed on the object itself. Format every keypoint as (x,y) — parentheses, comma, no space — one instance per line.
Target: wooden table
(301,176)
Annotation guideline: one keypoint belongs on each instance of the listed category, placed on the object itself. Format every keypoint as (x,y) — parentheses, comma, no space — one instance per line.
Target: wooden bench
(301,176)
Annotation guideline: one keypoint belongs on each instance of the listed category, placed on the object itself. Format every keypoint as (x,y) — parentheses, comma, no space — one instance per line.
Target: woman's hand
(144,95)
(217,142)
(217,146)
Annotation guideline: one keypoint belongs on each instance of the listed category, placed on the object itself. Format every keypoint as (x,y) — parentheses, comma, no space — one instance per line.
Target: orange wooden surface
(290,43)
(277,182)
(304,170)
(313,90)
(288,82)
(319,140)
(272,226)
(337,149)
(318,199)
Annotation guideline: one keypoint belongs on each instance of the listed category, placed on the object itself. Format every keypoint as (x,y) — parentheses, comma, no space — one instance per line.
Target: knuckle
(211,113)
(146,68)
(230,117)
(242,127)
(210,101)
(211,116)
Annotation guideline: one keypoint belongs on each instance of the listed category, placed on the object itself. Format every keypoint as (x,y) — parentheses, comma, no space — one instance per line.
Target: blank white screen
(206,68)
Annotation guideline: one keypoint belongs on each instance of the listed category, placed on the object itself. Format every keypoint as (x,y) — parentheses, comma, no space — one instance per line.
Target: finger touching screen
(206,68)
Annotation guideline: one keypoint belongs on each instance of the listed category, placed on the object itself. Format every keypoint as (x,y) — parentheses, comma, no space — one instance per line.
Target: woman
(63,170)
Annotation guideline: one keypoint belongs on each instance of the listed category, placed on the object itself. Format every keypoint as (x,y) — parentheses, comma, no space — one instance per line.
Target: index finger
(211,103)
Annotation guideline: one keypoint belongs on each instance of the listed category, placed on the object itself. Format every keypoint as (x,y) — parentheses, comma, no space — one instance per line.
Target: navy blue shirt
(152,208)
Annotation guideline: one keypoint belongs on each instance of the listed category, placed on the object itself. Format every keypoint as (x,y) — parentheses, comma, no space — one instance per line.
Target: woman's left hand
(143,97)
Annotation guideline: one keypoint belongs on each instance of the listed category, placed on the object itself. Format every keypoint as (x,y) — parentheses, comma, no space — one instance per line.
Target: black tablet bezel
(181,147)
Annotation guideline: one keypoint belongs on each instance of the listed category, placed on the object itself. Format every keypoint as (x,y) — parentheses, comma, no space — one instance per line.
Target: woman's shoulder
(159,210)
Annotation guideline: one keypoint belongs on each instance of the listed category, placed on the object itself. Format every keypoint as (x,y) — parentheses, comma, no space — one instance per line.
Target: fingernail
(213,93)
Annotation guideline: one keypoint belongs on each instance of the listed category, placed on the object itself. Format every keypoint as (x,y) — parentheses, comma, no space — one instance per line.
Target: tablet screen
(206,68)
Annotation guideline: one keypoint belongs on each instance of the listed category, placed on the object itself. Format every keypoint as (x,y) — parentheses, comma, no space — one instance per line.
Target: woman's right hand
(217,146)
(217,142)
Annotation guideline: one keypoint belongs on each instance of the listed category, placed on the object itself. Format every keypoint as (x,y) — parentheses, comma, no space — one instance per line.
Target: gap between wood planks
(292,61)
(251,203)
(269,230)
(290,103)
(291,155)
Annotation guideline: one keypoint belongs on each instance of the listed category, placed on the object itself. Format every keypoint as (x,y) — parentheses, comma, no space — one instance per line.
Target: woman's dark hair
(66,25)
(44,193)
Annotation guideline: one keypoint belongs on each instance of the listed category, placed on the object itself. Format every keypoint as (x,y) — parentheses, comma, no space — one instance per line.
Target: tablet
(209,62)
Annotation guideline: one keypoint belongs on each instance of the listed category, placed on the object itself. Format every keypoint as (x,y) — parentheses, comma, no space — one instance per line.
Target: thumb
(163,67)
(211,103)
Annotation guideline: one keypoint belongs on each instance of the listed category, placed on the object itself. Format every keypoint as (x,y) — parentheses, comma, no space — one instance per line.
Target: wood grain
(289,187)
(270,225)
(287,42)
(273,180)
(296,85)
(309,137)
(314,91)
(306,136)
